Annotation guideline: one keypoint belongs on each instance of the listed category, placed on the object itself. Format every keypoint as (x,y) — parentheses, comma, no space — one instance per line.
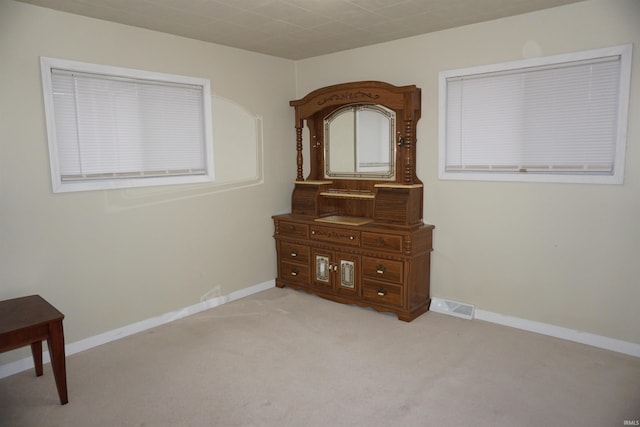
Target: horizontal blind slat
(563,117)
(113,125)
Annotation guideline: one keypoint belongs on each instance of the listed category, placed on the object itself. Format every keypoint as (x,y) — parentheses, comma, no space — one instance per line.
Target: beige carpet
(286,358)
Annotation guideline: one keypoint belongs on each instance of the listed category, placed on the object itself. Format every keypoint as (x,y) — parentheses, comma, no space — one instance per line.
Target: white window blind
(121,128)
(556,116)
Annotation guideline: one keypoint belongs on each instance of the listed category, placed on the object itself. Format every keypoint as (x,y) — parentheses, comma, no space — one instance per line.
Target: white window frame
(624,53)
(85,183)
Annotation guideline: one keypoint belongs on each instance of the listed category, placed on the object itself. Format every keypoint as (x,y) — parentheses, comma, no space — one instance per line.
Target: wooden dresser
(355,233)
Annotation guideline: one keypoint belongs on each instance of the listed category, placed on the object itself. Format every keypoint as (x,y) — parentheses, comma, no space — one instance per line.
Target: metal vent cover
(452,308)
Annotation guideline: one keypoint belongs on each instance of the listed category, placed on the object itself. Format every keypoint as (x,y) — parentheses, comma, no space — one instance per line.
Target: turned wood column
(299,176)
(409,159)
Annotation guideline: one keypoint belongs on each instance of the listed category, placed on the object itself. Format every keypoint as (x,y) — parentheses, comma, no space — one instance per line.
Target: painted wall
(566,255)
(111,258)
(560,254)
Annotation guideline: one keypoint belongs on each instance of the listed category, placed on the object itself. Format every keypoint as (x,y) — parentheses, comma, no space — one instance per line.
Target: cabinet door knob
(294,254)
(294,272)
(351,237)
(382,292)
(313,231)
(380,269)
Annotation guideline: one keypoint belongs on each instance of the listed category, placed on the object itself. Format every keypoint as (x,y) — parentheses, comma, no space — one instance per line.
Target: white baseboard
(96,340)
(619,346)
(612,344)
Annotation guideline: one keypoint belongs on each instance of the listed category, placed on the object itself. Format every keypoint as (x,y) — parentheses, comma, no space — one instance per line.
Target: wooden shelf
(314,182)
(384,185)
(348,194)
(345,220)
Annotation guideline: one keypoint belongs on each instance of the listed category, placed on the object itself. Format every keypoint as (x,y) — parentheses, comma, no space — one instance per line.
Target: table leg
(56,350)
(36,351)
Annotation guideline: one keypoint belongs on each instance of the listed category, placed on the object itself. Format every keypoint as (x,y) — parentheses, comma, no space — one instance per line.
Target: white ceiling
(297,29)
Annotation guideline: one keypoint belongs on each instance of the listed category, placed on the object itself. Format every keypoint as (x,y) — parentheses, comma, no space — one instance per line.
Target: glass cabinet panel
(323,268)
(347,274)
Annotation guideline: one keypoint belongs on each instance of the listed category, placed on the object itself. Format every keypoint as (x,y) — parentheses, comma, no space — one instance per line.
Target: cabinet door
(347,274)
(336,271)
(322,269)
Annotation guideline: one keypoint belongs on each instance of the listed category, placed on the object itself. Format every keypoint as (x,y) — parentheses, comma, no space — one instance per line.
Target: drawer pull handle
(294,272)
(351,237)
(380,269)
(313,231)
(382,292)
(294,254)
(292,227)
(380,241)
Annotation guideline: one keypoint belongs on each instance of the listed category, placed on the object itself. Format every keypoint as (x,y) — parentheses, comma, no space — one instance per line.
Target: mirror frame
(385,113)
(405,101)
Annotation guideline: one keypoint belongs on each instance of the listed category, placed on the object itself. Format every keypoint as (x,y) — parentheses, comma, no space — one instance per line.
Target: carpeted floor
(286,358)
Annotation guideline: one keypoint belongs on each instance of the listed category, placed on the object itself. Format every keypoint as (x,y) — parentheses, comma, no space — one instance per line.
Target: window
(557,119)
(111,127)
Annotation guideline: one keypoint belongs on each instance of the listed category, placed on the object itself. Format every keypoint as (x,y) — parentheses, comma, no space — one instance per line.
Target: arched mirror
(359,142)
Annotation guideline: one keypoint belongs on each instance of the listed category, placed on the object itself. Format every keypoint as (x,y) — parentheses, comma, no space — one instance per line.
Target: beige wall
(111,258)
(567,255)
(562,254)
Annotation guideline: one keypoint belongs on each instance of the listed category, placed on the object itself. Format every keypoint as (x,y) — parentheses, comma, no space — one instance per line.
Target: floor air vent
(452,308)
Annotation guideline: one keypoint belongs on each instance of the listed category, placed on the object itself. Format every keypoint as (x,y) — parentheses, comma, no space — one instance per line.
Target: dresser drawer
(335,235)
(385,242)
(293,229)
(382,293)
(294,272)
(293,252)
(382,269)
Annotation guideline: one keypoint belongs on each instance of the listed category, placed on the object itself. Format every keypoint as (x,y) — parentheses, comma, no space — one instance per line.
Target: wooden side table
(29,320)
